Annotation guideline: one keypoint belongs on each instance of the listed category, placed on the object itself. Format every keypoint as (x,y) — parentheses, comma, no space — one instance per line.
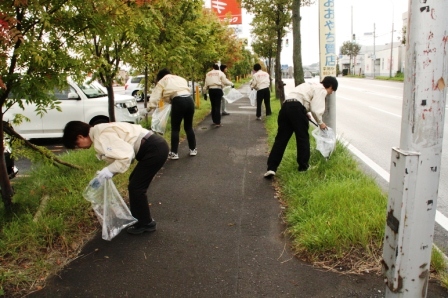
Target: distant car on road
(308,74)
(86,102)
(135,86)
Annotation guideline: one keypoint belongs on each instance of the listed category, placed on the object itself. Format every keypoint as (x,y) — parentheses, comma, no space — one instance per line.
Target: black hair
(71,132)
(257,66)
(222,67)
(215,66)
(330,82)
(162,73)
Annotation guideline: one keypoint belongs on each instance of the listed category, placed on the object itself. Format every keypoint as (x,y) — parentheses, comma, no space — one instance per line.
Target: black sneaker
(225,113)
(139,229)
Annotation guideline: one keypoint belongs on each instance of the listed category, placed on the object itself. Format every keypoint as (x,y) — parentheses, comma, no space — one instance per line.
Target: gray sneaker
(193,152)
(269,174)
(173,155)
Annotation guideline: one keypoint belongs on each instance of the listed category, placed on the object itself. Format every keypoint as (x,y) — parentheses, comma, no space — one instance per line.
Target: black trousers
(182,108)
(292,118)
(151,157)
(264,95)
(215,100)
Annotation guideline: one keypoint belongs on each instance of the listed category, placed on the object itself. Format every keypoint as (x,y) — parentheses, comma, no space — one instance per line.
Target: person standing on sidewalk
(215,80)
(224,112)
(294,118)
(261,82)
(119,143)
(174,90)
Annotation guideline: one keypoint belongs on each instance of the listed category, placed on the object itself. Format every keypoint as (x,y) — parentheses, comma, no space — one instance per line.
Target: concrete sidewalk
(220,232)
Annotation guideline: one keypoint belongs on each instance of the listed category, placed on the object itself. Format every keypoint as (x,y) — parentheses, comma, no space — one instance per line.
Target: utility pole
(415,165)
(374,55)
(391,51)
(328,57)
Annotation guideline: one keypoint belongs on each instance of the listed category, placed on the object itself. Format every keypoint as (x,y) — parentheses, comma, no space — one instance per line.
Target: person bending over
(118,144)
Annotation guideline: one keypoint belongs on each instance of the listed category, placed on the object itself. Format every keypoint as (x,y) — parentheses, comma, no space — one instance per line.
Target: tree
(297,41)
(105,31)
(264,43)
(35,59)
(351,49)
(277,13)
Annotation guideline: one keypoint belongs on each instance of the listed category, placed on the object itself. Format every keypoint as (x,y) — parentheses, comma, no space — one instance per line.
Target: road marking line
(399,116)
(441,219)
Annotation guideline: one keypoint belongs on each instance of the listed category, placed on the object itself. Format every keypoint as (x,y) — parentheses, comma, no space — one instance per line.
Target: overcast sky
(365,14)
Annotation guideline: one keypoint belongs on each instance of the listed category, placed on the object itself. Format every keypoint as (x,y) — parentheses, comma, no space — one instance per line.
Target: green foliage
(351,49)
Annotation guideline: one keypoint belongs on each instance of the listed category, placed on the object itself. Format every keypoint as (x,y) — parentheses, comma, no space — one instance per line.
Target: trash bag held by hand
(231,95)
(325,141)
(253,97)
(160,118)
(110,209)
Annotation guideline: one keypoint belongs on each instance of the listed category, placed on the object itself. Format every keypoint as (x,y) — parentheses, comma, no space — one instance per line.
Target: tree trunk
(111,97)
(297,43)
(5,184)
(279,88)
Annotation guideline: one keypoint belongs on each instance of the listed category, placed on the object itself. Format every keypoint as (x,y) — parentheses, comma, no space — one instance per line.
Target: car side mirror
(72,95)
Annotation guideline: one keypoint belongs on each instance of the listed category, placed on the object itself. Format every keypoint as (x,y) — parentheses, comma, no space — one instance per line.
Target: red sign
(228,9)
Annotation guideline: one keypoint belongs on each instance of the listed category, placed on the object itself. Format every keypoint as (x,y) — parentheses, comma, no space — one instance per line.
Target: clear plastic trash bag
(325,141)
(160,118)
(110,208)
(231,94)
(253,97)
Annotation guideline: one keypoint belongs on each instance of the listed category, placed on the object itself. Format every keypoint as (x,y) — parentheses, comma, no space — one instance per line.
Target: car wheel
(99,121)
(138,95)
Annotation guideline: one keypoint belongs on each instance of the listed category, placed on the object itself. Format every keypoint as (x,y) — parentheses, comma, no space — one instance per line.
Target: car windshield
(92,90)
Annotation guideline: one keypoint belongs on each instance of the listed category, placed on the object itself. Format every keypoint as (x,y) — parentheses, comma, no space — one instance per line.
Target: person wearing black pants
(293,118)
(263,95)
(215,99)
(182,107)
(175,90)
(215,80)
(261,82)
(119,143)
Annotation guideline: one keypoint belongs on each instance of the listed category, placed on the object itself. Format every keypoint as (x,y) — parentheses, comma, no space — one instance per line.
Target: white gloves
(104,174)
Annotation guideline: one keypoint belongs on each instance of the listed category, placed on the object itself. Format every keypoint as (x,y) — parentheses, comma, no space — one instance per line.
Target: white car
(135,86)
(87,103)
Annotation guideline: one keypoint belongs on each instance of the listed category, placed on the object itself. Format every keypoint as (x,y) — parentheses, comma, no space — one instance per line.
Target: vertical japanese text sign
(228,9)
(327,38)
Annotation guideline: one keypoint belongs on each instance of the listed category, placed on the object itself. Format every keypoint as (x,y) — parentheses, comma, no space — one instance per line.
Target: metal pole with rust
(415,165)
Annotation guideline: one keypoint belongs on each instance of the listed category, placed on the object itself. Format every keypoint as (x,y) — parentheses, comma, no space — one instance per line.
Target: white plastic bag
(231,94)
(325,141)
(253,97)
(160,118)
(110,209)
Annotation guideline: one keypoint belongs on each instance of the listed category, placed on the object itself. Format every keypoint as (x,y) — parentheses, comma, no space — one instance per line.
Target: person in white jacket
(294,118)
(118,144)
(215,80)
(261,82)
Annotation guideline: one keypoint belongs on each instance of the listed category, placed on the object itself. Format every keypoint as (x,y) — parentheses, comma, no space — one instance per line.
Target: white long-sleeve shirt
(215,79)
(117,143)
(168,87)
(312,96)
(260,80)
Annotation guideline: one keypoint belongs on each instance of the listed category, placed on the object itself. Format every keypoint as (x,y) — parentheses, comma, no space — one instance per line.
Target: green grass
(333,208)
(439,266)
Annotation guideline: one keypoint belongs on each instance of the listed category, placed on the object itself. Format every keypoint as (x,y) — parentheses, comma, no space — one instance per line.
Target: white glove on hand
(104,174)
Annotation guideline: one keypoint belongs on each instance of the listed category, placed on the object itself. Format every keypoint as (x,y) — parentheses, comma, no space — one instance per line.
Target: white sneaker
(258,118)
(193,152)
(269,174)
(173,155)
